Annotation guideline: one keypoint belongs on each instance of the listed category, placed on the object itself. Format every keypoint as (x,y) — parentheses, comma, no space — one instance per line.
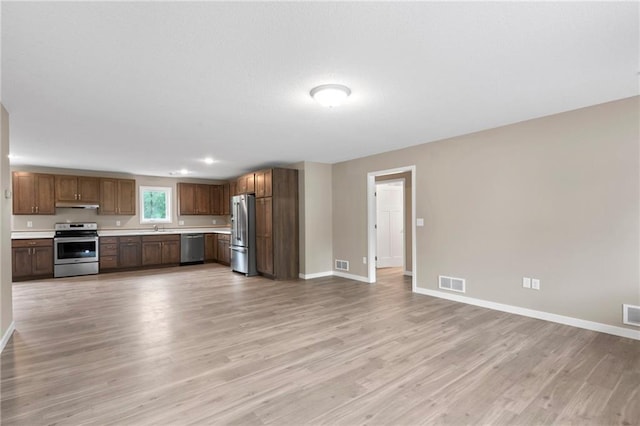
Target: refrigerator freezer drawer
(243,260)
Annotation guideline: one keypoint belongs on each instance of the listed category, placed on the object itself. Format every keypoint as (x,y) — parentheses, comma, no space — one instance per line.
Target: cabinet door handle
(75,196)
(37,209)
(33,209)
(79,196)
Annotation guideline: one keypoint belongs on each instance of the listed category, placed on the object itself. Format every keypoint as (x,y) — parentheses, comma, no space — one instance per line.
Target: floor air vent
(342,265)
(631,315)
(451,283)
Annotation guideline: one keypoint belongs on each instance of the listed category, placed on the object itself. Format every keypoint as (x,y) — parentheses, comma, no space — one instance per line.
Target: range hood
(76,205)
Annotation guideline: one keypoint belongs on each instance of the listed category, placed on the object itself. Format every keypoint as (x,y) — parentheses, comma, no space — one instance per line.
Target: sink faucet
(155,227)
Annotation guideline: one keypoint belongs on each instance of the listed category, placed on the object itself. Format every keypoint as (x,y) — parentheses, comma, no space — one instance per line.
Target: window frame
(168,203)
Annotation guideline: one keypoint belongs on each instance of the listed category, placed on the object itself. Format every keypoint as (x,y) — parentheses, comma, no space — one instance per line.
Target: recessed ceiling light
(208,160)
(184,171)
(11,156)
(330,95)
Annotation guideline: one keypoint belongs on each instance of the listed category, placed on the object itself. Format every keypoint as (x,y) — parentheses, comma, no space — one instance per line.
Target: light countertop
(24,235)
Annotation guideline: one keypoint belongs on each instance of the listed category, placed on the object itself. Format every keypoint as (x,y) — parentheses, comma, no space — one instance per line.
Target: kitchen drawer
(109,249)
(108,262)
(43,242)
(108,240)
(224,237)
(124,240)
(160,238)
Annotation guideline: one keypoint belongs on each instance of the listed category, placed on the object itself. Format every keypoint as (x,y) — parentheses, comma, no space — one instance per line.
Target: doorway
(409,223)
(390,223)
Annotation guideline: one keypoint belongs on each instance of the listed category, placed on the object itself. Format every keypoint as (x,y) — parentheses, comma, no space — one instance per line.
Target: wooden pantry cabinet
(277,223)
(160,250)
(77,188)
(117,196)
(33,193)
(32,259)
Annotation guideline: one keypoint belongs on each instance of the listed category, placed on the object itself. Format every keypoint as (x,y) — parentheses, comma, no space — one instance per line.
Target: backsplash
(45,223)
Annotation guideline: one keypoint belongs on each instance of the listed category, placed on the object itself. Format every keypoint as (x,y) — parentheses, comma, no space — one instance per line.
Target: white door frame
(404,217)
(371,222)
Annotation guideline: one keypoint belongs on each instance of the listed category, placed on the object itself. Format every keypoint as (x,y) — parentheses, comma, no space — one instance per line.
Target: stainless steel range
(75,249)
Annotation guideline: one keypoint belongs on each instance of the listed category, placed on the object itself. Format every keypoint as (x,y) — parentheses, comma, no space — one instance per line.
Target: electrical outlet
(419,221)
(181,222)
(214,221)
(29,224)
(364,260)
(535,283)
(117,223)
(526,282)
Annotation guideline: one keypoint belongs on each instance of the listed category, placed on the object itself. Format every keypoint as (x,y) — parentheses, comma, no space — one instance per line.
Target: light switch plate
(29,224)
(526,282)
(535,283)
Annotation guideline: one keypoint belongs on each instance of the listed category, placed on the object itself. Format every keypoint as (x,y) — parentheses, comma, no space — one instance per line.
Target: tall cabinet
(277,223)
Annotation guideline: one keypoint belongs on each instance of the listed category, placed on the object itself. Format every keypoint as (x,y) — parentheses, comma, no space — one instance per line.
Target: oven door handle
(75,239)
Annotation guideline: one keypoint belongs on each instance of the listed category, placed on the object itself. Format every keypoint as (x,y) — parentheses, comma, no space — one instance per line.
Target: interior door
(390,222)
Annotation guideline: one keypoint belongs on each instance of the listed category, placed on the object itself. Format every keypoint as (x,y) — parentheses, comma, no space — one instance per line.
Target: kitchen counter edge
(27,235)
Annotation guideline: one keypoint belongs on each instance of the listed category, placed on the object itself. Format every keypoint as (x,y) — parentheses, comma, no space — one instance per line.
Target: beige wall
(6,306)
(407,214)
(555,198)
(316,243)
(46,222)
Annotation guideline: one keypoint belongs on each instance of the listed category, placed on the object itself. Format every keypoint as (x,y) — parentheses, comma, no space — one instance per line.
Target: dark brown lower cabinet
(160,250)
(129,252)
(224,253)
(108,253)
(32,259)
(210,247)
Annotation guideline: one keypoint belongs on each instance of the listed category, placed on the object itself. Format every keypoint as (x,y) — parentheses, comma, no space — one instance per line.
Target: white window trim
(165,189)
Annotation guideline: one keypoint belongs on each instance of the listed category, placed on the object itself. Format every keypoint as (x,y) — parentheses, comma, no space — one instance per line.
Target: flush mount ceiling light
(330,95)
(208,160)
(180,172)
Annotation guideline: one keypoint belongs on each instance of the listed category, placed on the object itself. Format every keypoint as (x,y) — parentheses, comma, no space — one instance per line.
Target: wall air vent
(451,283)
(631,315)
(342,265)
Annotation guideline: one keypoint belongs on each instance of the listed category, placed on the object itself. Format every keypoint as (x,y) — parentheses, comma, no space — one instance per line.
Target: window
(155,204)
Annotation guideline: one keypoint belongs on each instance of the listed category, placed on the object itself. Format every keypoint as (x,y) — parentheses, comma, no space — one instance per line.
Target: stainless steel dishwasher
(191,248)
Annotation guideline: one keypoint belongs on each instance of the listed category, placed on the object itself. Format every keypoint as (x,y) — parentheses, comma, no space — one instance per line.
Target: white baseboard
(408,273)
(7,335)
(316,275)
(547,316)
(351,276)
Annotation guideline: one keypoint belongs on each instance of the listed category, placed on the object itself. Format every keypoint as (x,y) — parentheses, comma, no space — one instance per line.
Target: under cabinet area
(31,259)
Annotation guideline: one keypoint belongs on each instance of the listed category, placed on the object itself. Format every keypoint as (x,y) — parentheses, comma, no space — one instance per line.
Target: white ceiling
(149,88)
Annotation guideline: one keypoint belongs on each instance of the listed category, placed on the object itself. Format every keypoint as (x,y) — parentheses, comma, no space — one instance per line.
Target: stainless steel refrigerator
(243,234)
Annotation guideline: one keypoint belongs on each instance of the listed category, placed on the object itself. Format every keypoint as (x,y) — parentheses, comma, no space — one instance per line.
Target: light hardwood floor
(200,345)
